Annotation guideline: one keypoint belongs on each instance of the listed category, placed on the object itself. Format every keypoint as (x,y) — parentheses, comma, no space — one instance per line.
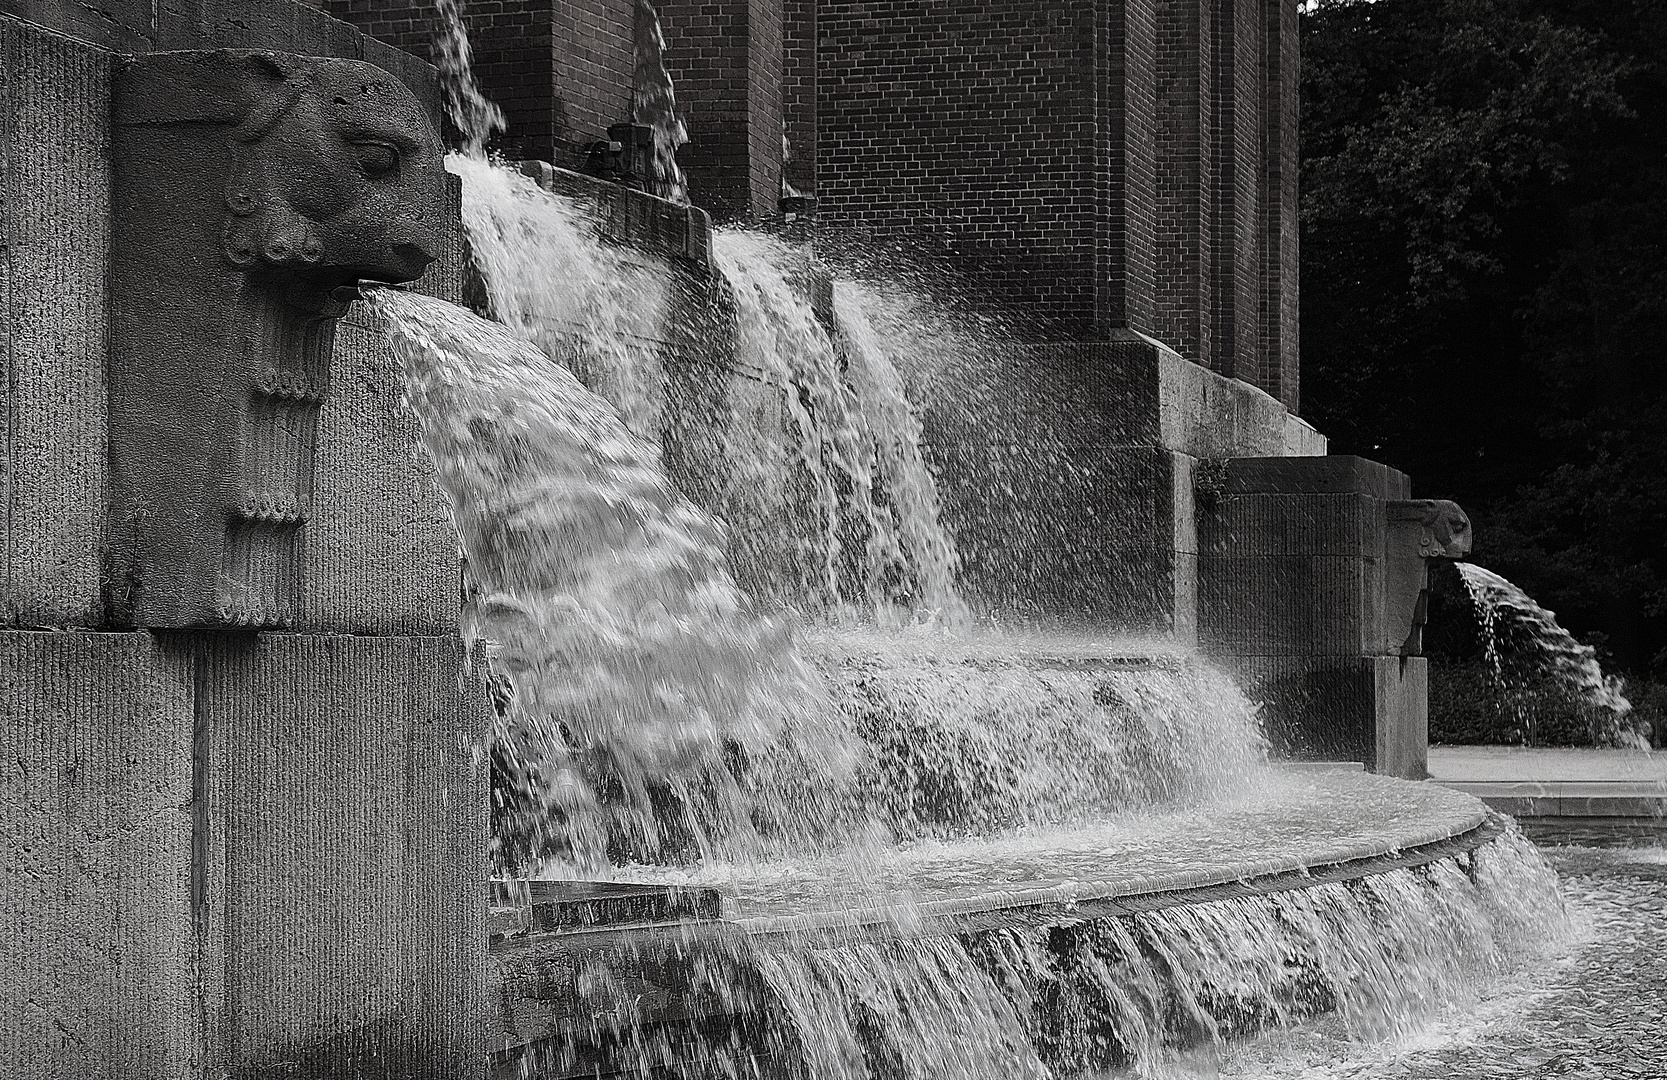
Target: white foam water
(647,700)
(1122,996)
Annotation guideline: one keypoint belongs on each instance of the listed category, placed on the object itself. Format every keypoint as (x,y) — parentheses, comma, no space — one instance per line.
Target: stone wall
(1087,515)
(225,849)
(1310,597)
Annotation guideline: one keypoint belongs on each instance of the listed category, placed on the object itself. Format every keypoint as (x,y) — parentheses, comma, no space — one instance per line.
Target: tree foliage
(1485,280)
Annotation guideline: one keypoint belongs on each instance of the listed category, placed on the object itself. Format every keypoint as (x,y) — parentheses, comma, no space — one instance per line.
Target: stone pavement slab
(1556,782)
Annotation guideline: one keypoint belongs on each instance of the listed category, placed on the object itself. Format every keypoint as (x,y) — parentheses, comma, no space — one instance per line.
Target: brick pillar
(1277,347)
(1185,183)
(798,92)
(1233,267)
(726,61)
(1128,113)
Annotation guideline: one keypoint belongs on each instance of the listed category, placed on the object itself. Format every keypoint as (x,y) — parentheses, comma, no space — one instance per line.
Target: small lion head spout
(1443,529)
(336,176)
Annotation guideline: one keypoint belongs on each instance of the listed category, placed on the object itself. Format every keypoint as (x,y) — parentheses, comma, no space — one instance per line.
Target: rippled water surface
(1595,1009)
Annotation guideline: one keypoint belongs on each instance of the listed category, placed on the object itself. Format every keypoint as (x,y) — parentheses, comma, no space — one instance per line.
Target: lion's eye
(376,158)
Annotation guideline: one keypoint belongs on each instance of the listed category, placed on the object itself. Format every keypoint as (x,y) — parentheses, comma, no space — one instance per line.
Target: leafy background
(1484,299)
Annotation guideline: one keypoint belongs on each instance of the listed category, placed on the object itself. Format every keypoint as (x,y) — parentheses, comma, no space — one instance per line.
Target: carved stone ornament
(253,191)
(1442,528)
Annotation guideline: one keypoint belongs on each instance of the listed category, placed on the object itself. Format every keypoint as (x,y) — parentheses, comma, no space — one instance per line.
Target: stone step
(554,907)
(1568,798)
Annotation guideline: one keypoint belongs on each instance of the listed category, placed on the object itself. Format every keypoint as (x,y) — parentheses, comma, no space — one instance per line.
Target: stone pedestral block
(239,850)
(344,834)
(1370,709)
(1311,571)
(1068,475)
(97,952)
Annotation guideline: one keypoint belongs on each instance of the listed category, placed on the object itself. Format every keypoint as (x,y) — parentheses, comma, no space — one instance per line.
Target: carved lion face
(337,177)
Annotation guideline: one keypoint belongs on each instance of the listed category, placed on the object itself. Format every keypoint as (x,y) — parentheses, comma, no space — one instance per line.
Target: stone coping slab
(1293,821)
(1556,781)
(1475,764)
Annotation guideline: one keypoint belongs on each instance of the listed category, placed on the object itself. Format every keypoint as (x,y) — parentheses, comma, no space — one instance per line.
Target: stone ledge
(1568,798)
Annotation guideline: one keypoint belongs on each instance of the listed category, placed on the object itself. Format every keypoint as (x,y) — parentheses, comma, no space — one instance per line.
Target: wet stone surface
(1595,1009)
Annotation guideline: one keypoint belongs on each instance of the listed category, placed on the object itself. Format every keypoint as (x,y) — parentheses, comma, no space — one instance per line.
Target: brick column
(1234,264)
(1185,182)
(798,92)
(1124,266)
(726,61)
(1277,347)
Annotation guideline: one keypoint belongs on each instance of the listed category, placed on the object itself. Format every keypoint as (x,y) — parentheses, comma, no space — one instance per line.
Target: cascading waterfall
(1515,629)
(653,717)
(871,532)
(964,740)
(1122,995)
(646,698)
(850,440)
(588,305)
(842,475)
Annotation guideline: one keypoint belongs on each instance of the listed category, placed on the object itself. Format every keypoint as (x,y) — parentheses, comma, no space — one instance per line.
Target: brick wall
(1103,164)
(1277,348)
(559,69)
(1114,165)
(975,131)
(798,92)
(725,58)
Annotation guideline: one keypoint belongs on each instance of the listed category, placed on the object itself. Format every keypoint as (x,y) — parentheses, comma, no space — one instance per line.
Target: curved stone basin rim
(1370,824)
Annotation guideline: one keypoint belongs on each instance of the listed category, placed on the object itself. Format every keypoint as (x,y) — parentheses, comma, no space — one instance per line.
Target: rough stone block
(345,854)
(54,221)
(1338,473)
(97,951)
(1301,438)
(1314,708)
(1288,605)
(1340,523)
(1369,709)
(1401,687)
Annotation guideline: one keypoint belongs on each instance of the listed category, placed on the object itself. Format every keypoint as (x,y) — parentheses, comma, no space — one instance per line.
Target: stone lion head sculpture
(336,174)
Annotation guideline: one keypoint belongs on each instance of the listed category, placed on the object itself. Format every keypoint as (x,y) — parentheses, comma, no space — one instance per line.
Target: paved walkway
(1556,782)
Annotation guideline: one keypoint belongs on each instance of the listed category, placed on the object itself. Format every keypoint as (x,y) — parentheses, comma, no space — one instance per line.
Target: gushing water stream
(659,725)
(1518,631)
(639,675)
(654,102)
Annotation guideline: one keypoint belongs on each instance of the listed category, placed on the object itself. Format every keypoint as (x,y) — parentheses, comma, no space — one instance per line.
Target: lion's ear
(272,85)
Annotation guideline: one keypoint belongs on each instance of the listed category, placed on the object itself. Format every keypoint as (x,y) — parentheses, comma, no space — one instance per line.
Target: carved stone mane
(1444,528)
